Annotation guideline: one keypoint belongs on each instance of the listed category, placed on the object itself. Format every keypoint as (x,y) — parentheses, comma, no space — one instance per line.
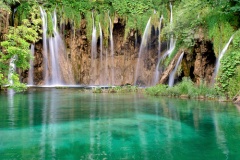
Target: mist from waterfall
(143,49)
(172,74)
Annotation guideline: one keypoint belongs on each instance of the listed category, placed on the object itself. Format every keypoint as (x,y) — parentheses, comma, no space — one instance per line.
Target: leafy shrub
(234,87)
(185,87)
(158,90)
(97,90)
(228,70)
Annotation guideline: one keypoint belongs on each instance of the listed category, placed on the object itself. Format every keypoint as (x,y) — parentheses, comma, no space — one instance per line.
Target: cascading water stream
(142,49)
(31,69)
(172,41)
(157,72)
(93,51)
(172,74)
(54,55)
(171,26)
(101,55)
(219,59)
(112,50)
(106,68)
(45,51)
(56,78)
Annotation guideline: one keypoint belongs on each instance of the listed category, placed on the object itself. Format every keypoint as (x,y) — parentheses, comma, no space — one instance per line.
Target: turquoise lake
(47,123)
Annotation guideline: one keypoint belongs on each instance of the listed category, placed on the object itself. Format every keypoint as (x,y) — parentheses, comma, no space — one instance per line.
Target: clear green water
(68,124)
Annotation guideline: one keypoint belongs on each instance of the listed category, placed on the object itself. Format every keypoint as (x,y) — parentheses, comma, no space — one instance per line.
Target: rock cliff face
(199,63)
(204,61)
(120,69)
(4,22)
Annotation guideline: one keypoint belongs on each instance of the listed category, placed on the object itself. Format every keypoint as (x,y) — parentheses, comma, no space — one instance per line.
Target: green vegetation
(17,44)
(187,89)
(230,67)
(116,89)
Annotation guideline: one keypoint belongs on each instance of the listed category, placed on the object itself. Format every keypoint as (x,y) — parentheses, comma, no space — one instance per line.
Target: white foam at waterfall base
(172,74)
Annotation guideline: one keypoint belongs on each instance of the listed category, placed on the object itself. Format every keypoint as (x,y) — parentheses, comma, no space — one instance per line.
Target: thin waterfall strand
(93,52)
(101,55)
(112,50)
(172,41)
(217,66)
(157,72)
(12,69)
(106,68)
(54,54)
(31,69)
(45,51)
(143,45)
(172,74)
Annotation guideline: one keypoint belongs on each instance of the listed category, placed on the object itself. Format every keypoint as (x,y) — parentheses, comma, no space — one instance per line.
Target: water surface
(69,124)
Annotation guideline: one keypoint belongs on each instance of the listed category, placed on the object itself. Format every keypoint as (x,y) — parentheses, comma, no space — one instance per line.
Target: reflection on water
(68,124)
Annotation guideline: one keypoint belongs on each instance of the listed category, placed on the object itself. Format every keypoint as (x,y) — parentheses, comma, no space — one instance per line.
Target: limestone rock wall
(120,69)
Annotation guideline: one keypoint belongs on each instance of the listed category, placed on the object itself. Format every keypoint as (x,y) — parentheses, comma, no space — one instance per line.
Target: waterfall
(54,55)
(12,69)
(172,41)
(142,49)
(106,68)
(112,50)
(101,55)
(157,72)
(45,51)
(219,59)
(93,52)
(54,46)
(31,69)
(172,74)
